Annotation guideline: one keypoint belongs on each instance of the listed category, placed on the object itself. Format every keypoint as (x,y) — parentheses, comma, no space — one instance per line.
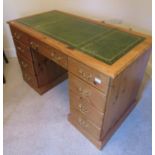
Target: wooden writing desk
(104,72)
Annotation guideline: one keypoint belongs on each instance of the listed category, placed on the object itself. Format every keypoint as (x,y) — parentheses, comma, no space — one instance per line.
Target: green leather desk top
(104,43)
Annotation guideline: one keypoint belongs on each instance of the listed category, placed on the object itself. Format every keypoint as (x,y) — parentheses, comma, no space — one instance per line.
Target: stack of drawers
(38,70)
(21,42)
(88,90)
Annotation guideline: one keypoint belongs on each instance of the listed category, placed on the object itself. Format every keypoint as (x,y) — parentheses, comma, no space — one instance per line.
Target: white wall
(133,13)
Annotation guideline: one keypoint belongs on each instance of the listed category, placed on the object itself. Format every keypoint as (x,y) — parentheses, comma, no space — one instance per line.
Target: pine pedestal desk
(105,65)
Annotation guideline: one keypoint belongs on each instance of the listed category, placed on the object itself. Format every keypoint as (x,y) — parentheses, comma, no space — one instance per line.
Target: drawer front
(26,65)
(85,124)
(19,36)
(23,50)
(86,109)
(89,75)
(30,79)
(86,93)
(49,52)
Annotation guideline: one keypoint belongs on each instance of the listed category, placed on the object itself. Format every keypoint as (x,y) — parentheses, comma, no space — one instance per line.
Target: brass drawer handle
(58,58)
(80,90)
(87,76)
(17,36)
(20,49)
(82,108)
(25,65)
(84,93)
(82,73)
(82,122)
(34,46)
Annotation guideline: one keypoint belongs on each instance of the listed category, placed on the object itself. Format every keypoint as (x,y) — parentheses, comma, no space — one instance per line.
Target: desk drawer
(85,124)
(25,64)
(89,75)
(49,52)
(86,109)
(23,50)
(19,35)
(30,79)
(87,93)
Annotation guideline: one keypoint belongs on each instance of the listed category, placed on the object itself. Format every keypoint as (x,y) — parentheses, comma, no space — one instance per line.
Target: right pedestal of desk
(98,103)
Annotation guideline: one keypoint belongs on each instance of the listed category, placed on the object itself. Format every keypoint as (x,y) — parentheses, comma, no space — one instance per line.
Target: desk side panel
(122,94)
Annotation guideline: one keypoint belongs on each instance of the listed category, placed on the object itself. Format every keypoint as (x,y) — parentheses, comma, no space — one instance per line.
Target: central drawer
(49,52)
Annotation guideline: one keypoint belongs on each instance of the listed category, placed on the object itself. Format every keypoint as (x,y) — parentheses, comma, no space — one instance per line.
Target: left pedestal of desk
(38,71)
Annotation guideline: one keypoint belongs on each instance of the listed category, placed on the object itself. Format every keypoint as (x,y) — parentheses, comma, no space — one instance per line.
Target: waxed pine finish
(105,65)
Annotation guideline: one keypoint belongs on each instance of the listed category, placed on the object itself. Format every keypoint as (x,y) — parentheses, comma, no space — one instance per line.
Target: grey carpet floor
(37,125)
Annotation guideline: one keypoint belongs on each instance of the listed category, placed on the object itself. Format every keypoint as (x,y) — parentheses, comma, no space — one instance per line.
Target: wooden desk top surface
(104,47)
